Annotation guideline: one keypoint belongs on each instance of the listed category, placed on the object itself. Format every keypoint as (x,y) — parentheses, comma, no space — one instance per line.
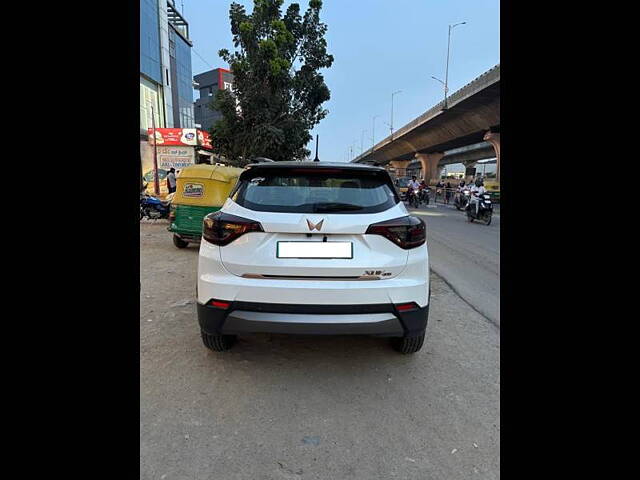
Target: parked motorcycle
(461,199)
(485,209)
(154,208)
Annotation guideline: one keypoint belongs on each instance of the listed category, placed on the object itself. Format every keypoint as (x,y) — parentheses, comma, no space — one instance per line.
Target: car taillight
(222,228)
(406,232)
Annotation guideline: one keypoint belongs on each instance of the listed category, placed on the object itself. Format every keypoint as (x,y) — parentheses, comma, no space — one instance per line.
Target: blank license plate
(315,250)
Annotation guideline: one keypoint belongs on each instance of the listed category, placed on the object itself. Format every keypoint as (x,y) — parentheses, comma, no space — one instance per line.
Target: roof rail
(261,160)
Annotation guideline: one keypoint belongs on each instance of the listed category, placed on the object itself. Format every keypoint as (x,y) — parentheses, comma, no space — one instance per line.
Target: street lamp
(446,75)
(362,141)
(391,126)
(445,89)
(373,135)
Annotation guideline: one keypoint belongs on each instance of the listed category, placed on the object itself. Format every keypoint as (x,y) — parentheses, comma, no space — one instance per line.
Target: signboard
(204,139)
(470,172)
(179,136)
(175,157)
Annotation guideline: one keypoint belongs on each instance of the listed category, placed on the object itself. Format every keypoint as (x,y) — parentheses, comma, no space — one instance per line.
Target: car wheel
(408,344)
(178,242)
(218,343)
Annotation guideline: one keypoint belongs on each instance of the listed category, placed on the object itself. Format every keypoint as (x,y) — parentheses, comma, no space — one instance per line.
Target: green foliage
(278,87)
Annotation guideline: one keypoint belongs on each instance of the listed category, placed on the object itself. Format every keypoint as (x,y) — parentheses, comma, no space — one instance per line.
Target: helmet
(479,182)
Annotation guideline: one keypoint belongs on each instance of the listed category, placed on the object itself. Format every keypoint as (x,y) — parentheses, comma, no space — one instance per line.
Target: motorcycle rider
(413,185)
(477,190)
(423,190)
(439,188)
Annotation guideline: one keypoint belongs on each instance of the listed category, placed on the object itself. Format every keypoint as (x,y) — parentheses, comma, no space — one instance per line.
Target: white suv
(313,248)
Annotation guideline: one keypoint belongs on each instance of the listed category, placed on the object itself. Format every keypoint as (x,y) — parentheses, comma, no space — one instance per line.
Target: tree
(278,88)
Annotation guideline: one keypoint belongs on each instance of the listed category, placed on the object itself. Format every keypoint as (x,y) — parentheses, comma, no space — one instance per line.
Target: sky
(379,47)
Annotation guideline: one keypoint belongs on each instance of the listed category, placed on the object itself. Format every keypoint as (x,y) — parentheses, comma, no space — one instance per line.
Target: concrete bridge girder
(476,120)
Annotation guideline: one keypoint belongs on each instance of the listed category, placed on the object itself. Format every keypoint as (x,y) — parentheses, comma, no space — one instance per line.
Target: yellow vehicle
(200,190)
(493,188)
(403,186)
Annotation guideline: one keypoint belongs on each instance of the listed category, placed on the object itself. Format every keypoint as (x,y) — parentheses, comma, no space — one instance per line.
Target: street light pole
(391,126)
(373,133)
(445,89)
(446,75)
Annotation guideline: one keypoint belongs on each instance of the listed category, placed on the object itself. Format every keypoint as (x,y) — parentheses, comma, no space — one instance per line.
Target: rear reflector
(219,304)
(404,307)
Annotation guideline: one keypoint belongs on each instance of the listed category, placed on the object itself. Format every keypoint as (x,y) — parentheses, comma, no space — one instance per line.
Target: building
(166,88)
(208,83)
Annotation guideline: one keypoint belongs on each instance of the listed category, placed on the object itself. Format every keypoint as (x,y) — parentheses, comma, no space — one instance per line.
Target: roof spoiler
(262,160)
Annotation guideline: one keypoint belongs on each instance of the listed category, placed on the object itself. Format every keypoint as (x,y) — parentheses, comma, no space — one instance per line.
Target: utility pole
(316,159)
(156,181)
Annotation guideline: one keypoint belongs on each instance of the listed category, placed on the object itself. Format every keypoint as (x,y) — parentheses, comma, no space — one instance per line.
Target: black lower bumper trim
(212,320)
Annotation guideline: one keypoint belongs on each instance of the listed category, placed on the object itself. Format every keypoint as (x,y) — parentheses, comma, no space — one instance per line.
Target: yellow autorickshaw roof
(210,172)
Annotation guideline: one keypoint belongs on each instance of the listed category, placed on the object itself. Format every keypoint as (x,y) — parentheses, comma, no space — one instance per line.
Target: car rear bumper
(375,319)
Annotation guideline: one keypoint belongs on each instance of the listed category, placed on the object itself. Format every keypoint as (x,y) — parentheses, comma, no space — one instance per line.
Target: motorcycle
(424,195)
(414,197)
(154,208)
(461,199)
(485,209)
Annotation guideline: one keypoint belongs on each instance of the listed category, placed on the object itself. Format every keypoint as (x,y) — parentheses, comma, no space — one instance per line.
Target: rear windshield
(315,190)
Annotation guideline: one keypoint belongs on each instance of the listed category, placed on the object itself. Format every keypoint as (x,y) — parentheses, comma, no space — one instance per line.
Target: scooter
(153,208)
(485,209)
(461,199)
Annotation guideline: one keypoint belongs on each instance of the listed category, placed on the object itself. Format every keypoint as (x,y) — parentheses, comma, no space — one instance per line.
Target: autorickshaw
(200,190)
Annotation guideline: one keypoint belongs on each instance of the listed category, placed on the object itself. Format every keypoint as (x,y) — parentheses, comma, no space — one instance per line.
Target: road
(295,407)
(466,255)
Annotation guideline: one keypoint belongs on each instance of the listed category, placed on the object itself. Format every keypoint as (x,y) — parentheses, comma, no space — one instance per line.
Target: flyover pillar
(400,167)
(430,169)
(494,139)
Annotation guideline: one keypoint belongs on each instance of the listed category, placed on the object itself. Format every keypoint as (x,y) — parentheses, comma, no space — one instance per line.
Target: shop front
(168,148)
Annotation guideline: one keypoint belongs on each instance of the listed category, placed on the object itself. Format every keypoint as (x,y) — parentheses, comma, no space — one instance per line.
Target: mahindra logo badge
(317,226)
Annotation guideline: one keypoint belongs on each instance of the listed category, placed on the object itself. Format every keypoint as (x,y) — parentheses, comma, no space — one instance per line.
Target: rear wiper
(334,207)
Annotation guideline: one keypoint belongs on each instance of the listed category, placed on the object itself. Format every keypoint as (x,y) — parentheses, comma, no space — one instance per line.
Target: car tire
(218,343)
(408,344)
(178,242)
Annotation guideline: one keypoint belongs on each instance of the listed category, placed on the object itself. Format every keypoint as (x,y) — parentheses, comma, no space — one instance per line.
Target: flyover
(463,129)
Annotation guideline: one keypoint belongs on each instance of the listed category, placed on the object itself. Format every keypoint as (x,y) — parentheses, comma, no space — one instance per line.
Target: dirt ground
(304,407)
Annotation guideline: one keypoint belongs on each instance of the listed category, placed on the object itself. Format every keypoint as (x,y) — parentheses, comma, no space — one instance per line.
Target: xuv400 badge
(382,273)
